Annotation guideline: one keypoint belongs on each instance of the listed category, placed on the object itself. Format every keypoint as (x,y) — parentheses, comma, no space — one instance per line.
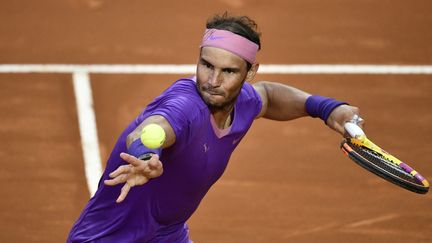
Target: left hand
(340,115)
(137,172)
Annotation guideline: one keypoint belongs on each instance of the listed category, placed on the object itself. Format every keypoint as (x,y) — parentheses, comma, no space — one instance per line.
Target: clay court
(287,181)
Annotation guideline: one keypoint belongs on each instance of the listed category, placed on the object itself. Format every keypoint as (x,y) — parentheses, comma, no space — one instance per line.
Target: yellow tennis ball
(153,136)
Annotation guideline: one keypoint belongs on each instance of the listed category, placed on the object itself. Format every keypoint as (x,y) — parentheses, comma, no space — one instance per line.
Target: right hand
(342,114)
(137,172)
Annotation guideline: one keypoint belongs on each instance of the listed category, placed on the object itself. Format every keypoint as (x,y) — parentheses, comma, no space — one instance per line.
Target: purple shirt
(191,166)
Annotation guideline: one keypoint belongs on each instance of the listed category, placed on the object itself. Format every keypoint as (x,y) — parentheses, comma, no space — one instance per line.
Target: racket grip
(354,130)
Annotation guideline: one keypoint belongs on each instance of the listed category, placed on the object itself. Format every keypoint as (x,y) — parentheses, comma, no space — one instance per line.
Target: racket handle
(352,127)
(354,130)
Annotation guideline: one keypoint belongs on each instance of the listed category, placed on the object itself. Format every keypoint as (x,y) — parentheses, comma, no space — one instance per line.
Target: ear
(252,71)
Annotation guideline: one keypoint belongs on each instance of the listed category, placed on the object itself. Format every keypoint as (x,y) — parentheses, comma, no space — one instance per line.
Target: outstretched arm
(137,171)
(282,102)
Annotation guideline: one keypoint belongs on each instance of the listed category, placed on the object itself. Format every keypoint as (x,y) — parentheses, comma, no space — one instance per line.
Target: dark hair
(240,25)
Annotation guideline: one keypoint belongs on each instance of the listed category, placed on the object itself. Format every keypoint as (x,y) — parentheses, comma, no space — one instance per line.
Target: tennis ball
(153,136)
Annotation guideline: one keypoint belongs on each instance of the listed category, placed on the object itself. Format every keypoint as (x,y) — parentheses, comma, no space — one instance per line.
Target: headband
(231,42)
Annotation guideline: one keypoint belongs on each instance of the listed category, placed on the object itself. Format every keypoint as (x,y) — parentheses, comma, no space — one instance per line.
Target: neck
(223,117)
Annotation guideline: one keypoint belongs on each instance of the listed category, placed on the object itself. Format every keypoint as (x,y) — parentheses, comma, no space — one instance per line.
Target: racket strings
(379,161)
(378,156)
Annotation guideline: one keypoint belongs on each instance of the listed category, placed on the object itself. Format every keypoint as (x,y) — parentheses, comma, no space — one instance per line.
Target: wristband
(140,151)
(320,106)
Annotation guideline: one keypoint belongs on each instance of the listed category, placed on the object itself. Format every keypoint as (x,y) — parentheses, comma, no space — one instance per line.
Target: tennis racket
(376,160)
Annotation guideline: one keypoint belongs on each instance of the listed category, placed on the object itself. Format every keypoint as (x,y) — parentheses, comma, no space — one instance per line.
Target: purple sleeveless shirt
(191,166)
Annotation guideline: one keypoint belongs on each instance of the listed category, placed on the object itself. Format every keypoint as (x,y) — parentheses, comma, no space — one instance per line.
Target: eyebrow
(231,69)
(234,70)
(204,61)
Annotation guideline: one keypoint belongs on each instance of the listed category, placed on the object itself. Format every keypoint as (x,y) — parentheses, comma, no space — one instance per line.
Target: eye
(208,65)
(229,70)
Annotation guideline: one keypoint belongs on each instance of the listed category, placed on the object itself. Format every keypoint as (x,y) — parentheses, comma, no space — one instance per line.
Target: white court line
(367,222)
(190,68)
(83,93)
(88,130)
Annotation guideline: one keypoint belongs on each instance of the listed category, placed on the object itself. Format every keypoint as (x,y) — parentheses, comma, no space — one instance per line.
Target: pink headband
(231,42)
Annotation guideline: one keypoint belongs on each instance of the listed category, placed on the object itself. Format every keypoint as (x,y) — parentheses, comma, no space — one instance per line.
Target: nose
(215,79)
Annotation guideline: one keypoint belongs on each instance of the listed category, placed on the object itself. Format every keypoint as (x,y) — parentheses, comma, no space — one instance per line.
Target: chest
(205,157)
(211,153)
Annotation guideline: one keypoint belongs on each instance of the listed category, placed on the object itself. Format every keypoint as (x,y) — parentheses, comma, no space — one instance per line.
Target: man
(204,118)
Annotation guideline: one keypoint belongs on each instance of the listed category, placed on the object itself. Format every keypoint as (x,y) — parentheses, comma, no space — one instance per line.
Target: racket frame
(358,138)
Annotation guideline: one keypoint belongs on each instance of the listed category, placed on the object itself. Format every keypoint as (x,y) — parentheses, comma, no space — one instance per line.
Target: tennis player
(204,117)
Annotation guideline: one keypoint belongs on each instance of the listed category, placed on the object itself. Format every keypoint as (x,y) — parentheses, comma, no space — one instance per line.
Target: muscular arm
(281,102)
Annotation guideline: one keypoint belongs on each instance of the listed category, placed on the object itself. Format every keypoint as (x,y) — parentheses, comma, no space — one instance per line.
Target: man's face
(220,76)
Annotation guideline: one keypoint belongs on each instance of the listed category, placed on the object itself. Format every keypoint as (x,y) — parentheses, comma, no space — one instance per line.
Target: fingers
(361,123)
(117,180)
(155,166)
(339,128)
(342,115)
(118,176)
(137,172)
(354,131)
(143,165)
(123,169)
(131,159)
(154,162)
(124,191)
